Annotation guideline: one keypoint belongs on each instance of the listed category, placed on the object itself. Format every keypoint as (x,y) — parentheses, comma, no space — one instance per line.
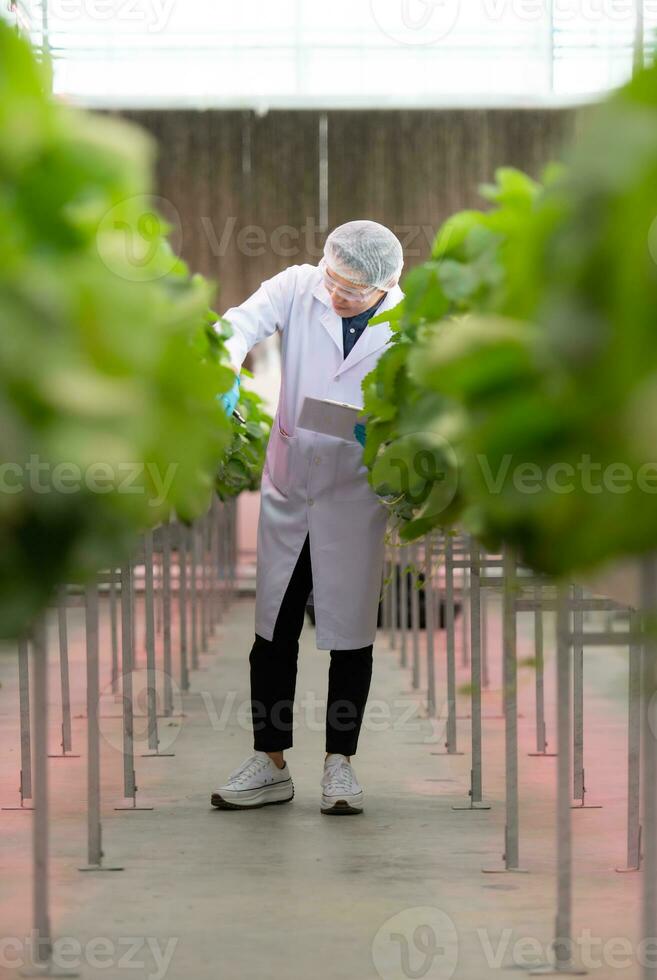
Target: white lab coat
(315,484)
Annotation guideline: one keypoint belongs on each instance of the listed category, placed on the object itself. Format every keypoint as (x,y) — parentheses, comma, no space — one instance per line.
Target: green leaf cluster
(242,463)
(416,425)
(529,343)
(109,362)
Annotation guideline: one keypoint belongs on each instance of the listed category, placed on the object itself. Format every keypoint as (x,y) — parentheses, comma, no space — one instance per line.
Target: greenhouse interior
(328,481)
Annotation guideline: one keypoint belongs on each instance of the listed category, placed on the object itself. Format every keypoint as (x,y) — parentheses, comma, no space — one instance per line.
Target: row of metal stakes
(449,576)
(183,575)
(193,569)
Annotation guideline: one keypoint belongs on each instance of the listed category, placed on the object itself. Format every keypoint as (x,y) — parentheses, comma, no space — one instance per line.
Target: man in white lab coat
(321,527)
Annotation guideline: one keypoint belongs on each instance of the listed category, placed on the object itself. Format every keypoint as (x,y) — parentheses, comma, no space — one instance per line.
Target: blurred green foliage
(526,348)
(417,426)
(109,361)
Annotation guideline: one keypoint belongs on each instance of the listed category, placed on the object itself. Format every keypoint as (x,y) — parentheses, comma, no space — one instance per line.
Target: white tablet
(329,417)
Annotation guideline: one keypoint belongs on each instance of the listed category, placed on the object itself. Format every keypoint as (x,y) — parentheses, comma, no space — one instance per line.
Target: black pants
(274,674)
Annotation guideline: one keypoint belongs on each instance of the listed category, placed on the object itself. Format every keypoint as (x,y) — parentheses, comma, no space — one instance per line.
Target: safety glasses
(351,293)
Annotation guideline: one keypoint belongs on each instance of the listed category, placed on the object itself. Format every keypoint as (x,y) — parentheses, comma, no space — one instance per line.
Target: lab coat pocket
(350,473)
(281,456)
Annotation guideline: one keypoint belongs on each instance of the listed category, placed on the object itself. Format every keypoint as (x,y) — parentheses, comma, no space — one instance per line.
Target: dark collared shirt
(353,326)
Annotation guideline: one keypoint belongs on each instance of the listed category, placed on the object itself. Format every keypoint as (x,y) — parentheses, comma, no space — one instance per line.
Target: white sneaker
(341,791)
(257,782)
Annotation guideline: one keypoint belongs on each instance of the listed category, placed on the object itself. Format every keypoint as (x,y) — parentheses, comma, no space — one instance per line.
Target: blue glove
(359,432)
(229,399)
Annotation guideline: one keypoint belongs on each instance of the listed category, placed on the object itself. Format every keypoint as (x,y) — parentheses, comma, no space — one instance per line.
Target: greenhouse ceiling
(295,54)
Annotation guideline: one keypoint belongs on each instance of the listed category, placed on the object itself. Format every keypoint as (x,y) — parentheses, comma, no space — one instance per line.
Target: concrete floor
(284,892)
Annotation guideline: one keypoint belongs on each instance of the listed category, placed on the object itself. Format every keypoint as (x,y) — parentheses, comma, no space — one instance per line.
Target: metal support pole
(134,617)
(562,945)
(228,550)
(41,939)
(151,681)
(166,619)
(40,893)
(394,595)
(512,848)
(539,659)
(94,828)
(403,605)
(475,670)
(151,674)
(231,549)
(465,616)
(485,673)
(127,611)
(511,856)
(229,553)
(157,593)
(25,775)
(541,733)
(212,568)
(24,699)
(204,582)
(578,701)
(114,635)
(385,593)
(182,604)
(389,577)
(210,579)
(94,831)
(430,627)
(64,684)
(221,521)
(193,591)
(579,782)
(221,553)
(475,792)
(41,964)
(634,752)
(563,940)
(224,558)
(129,784)
(415,618)
(450,638)
(649,768)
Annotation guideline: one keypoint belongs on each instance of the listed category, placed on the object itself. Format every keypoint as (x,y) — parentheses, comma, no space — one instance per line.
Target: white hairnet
(365,253)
